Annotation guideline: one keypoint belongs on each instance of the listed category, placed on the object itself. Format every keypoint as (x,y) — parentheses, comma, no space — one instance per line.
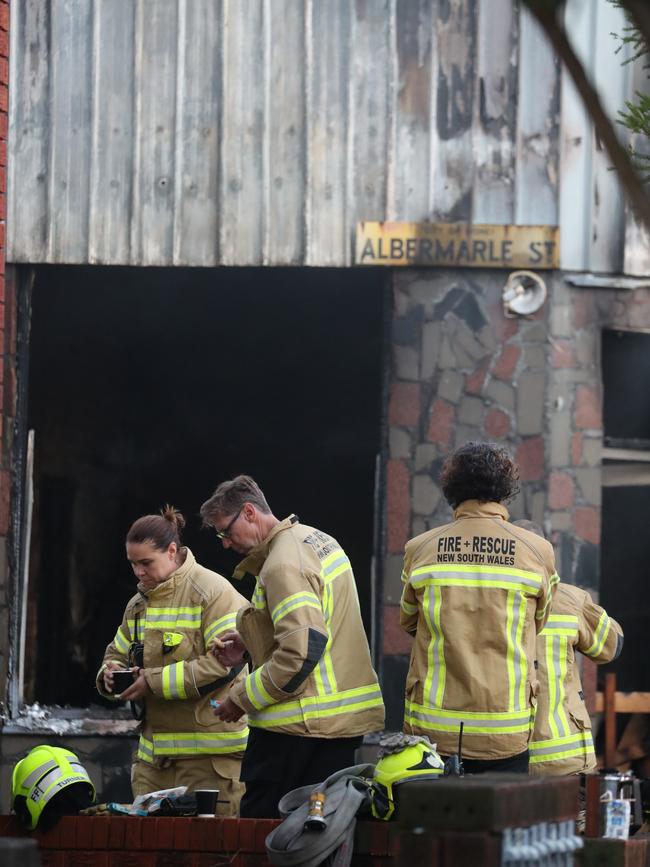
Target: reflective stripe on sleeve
(224,624)
(173,681)
(314,707)
(121,641)
(256,692)
(553,580)
(334,565)
(600,636)
(193,743)
(408,607)
(259,596)
(441,719)
(304,599)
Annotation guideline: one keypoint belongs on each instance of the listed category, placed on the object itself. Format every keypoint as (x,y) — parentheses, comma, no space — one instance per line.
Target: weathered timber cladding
(245,132)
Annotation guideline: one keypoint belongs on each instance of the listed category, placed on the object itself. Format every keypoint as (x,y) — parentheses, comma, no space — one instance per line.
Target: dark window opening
(149,386)
(625,543)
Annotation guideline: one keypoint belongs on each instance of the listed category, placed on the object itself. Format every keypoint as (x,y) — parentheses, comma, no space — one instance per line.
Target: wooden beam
(625,702)
(610,719)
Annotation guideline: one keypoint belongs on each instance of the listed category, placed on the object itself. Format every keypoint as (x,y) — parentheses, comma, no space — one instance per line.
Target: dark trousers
(511,765)
(274,764)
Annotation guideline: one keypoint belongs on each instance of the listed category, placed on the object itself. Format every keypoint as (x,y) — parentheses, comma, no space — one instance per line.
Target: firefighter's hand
(229,649)
(228,711)
(139,689)
(108,674)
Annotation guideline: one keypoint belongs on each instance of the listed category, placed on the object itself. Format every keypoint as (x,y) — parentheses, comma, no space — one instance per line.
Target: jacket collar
(174,579)
(476,509)
(252,563)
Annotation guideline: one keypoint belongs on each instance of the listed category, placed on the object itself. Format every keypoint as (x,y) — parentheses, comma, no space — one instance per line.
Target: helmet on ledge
(413,761)
(49,782)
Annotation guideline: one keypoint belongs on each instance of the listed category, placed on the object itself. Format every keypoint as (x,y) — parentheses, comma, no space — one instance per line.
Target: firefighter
(180,609)
(475,594)
(312,693)
(562,741)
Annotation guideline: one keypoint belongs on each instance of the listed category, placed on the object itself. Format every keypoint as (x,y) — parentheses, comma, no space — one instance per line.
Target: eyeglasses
(225,533)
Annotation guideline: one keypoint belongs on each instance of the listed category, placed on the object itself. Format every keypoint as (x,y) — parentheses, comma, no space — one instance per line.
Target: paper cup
(206,803)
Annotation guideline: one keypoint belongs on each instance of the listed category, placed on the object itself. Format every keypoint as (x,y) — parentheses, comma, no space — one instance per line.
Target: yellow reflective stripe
(515,657)
(334,565)
(183,617)
(600,636)
(222,624)
(145,749)
(121,641)
(256,692)
(408,607)
(556,665)
(193,743)
(441,719)
(556,749)
(434,682)
(474,575)
(315,707)
(173,681)
(259,596)
(553,580)
(405,576)
(304,599)
(324,672)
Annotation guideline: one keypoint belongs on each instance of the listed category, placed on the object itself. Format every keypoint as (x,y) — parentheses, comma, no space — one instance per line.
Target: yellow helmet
(415,761)
(50,781)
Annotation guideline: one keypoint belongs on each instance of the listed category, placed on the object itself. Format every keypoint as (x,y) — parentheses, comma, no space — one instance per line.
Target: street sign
(457,245)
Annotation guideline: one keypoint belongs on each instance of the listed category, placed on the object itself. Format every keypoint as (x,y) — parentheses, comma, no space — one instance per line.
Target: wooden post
(610,719)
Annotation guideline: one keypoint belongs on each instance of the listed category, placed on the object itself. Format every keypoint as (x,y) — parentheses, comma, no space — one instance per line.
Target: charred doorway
(149,386)
(625,542)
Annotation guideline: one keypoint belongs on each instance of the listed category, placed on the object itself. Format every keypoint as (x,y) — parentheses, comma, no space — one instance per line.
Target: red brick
(404,405)
(441,425)
(530,459)
(560,491)
(576,449)
(474,381)
(3,125)
(398,505)
(506,363)
(4,70)
(3,179)
(4,43)
(4,16)
(586,521)
(562,354)
(497,424)
(3,206)
(396,641)
(588,409)
(5,493)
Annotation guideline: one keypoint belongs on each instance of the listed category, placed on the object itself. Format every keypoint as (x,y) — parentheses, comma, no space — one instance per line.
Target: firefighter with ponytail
(179,611)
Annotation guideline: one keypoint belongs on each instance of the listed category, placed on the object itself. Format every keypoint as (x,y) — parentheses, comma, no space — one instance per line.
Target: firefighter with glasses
(312,693)
(179,611)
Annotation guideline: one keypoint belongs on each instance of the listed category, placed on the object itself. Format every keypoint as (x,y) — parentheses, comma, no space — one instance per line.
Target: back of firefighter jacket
(312,670)
(475,594)
(562,741)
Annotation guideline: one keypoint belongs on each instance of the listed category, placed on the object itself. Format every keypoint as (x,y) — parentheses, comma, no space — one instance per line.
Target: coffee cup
(206,802)
(122,680)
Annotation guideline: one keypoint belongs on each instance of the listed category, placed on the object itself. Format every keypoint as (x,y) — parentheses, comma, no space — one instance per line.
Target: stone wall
(460,371)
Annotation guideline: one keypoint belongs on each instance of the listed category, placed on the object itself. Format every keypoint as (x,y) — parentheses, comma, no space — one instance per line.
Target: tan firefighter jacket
(312,673)
(177,621)
(562,742)
(476,592)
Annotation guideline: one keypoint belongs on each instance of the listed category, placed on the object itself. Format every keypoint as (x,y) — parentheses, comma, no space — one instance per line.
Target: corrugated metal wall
(244,132)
